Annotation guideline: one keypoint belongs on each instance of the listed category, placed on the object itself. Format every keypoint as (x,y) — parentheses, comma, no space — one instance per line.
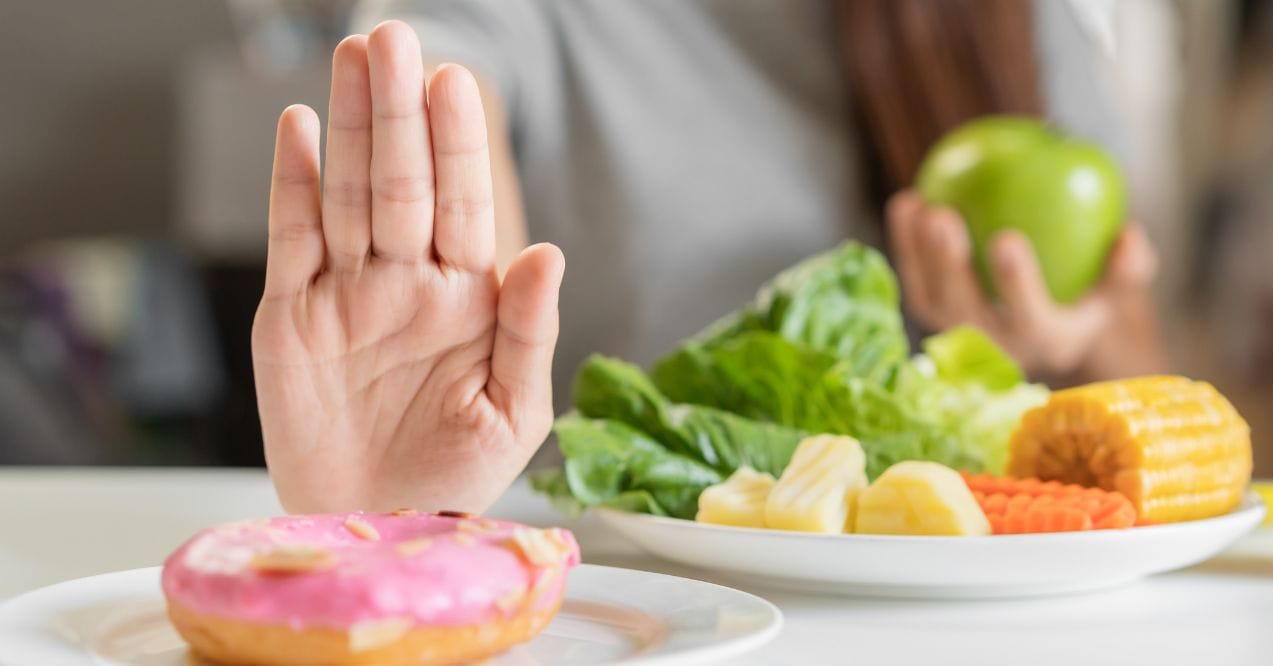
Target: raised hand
(392,366)
(1109,332)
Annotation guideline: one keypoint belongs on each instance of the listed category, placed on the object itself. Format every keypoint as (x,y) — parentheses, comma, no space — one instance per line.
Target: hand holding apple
(1064,195)
(1110,331)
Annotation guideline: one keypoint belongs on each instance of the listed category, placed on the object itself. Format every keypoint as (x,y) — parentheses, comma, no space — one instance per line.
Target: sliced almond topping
(414,546)
(455,514)
(361,528)
(465,539)
(259,525)
(293,558)
(482,526)
(373,634)
(511,599)
(541,548)
(404,512)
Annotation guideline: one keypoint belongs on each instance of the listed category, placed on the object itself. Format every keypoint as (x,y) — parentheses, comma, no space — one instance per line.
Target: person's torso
(699,148)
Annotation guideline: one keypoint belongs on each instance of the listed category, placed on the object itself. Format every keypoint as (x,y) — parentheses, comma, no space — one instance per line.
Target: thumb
(520,384)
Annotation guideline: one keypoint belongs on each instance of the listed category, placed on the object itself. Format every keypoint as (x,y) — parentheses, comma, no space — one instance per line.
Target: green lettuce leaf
(965,354)
(758,374)
(738,441)
(612,389)
(891,430)
(843,302)
(820,350)
(764,376)
(957,407)
(609,463)
(967,386)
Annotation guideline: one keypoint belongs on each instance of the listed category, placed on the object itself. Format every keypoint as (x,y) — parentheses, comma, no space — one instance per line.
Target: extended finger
(1132,261)
(903,217)
(1047,334)
(347,181)
(402,162)
(521,360)
(464,217)
(1019,280)
(953,286)
(295,226)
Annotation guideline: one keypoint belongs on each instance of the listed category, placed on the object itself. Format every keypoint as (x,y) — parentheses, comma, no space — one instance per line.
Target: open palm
(392,366)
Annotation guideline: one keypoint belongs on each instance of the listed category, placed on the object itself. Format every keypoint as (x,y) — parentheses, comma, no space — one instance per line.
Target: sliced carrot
(1030,505)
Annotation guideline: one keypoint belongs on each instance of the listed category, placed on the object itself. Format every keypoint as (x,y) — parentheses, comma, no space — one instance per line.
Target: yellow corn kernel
(1175,447)
(739,500)
(920,498)
(815,492)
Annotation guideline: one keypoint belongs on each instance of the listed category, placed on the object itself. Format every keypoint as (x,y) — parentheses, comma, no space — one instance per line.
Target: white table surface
(58,524)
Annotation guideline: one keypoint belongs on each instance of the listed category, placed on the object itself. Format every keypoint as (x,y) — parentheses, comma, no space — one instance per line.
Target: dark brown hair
(918,68)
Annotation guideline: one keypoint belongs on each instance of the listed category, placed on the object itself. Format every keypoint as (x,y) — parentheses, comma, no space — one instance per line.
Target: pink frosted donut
(365,588)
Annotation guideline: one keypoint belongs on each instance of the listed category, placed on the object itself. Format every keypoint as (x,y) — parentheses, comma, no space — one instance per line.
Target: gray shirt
(679,152)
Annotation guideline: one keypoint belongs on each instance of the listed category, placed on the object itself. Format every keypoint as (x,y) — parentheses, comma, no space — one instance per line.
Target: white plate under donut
(933,566)
(609,615)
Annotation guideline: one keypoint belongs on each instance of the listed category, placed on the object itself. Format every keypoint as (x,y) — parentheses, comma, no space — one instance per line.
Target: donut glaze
(345,571)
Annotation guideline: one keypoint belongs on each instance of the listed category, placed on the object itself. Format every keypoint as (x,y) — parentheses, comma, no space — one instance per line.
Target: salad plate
(932,566)
(609,615)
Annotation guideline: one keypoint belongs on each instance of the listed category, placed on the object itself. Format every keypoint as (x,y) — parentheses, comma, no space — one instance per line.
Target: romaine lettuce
(612,389)
(821,349)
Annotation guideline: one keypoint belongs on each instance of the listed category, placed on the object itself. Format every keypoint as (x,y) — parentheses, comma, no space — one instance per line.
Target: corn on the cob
(1174,447)
(817,489)
(739,500)
(920,498)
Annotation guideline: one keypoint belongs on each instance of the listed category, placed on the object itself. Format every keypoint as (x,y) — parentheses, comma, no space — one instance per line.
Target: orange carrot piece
(1030,505)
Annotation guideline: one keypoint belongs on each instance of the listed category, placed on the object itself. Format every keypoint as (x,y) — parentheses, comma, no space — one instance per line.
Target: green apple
(1007,172)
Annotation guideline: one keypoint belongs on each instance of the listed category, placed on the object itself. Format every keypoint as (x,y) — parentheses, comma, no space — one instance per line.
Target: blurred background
(135,148)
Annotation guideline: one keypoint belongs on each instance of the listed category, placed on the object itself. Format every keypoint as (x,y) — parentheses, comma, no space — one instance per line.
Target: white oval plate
(937,567)
(609,615)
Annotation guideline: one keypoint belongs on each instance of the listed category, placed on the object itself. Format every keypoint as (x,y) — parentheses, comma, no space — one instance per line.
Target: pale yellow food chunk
(816,491)
(920,498)
(851,500)
(738,500)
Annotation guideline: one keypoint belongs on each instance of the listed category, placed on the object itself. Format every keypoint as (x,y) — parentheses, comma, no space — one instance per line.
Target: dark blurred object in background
(228,97)
(110,352)
(1237,283)
(233,430)
(43,416)
(143,120)
(1233,341)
